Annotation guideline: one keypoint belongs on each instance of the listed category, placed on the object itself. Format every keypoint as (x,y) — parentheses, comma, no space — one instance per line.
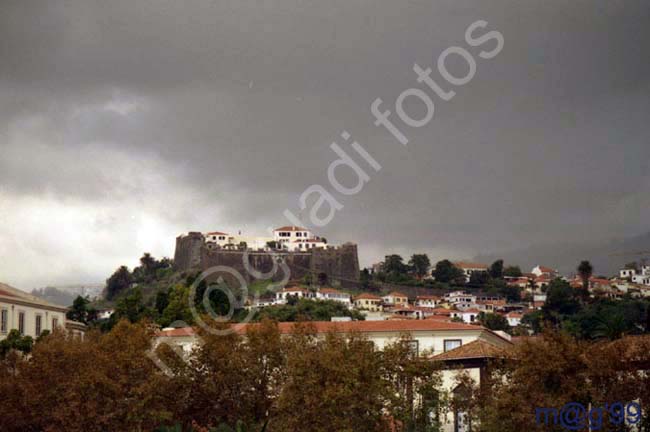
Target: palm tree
(533,285)
(585,270)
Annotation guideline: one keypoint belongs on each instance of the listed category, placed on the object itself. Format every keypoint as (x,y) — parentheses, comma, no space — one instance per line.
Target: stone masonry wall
(340,264)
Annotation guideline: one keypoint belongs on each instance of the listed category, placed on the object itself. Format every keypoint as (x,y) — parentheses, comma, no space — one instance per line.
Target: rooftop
(473,350)
(291,228)
(345,327)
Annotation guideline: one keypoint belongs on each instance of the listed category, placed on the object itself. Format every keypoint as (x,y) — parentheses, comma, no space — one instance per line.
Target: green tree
(178,308)
(16,341)
(585,270)
(496,269)
(561,301)
(446,272)
(81,311)
(162,300)
(119,281)
(494,321)
(419,264)
(479,279)
(309,310)
(131,307)
(512,271)
(365,278)
(394,264)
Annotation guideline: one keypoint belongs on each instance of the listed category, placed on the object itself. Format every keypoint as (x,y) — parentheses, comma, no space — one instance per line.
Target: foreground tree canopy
(262,381)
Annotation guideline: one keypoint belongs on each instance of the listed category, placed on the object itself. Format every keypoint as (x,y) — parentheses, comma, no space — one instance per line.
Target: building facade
(28,314)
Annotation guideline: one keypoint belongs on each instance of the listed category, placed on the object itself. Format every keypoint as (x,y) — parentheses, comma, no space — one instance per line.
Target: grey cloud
(234,105)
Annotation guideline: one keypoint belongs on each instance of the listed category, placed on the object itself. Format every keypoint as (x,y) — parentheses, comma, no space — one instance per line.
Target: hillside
(605,256)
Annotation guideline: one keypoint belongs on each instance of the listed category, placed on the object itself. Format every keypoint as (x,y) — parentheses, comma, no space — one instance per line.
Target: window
(4,321)
(414,347)
(55,323)
(450,344)
(39,324)
(21,323)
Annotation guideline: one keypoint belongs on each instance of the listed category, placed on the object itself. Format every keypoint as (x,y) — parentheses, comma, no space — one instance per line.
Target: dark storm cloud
(218,114)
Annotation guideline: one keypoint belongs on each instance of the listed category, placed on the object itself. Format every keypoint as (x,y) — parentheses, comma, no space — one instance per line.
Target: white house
(368,302)
(543,270)
(514,318)
(288,234)
(335,295)
(282,296)
(306,244)
(627,273)
(430,336)
(641,279)
(395,299)
(427,301)
(470,315)
(460,299)
(226,240)
(28,314)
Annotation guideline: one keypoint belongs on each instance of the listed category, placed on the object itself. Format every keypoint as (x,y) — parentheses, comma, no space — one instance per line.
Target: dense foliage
(108,382)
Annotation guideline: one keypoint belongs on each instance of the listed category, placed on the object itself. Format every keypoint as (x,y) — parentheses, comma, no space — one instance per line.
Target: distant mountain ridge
(65,295)
(605,256)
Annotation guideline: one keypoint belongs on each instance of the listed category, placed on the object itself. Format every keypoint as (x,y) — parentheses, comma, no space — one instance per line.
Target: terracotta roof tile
(367,296)
(291,228)
(472,350)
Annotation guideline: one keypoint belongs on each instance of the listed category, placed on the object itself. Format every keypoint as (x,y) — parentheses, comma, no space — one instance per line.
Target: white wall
(30,318)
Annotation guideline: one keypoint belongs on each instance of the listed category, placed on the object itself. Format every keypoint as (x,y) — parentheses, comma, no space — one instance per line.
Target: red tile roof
(294,289)
(6,293)
(441,311)
(396,294)
(217,233)
(547,269)
(345,327)
(332,291)
(472,350)
(367,296)
(369,326)
(291,228)
(177,332)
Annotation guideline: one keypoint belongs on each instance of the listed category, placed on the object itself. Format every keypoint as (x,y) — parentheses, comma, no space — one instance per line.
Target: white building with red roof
(28,314)
(429,301)
(543,270)
(290,238)
(282,296)
(432,336)
(395,299)
(295,238)
(334,295)
(368,302)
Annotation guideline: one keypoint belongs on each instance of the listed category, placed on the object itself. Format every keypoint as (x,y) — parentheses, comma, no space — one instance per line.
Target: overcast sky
(125,123)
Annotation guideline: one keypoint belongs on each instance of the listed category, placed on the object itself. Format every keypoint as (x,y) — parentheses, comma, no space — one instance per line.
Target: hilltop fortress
(302,252)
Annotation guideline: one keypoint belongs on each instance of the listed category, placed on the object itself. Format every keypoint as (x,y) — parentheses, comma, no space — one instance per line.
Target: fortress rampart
(339,264)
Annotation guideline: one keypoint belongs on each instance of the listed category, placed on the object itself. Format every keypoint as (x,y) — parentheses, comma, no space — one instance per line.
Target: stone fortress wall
(340,264)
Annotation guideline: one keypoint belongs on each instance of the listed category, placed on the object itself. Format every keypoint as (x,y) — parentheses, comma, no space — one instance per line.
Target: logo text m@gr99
(575,416)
